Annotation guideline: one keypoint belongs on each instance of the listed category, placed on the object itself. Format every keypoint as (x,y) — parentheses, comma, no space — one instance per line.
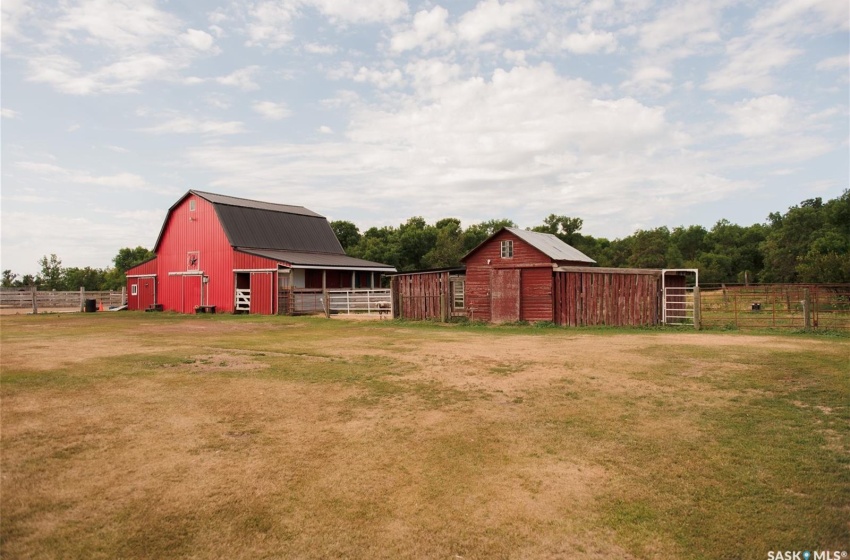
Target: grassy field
(161,436)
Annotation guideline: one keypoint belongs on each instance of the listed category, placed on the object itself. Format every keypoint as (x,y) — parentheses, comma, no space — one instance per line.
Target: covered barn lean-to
(519,275)
(224,253)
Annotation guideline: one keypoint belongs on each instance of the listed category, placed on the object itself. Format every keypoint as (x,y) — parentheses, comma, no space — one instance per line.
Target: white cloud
(270,24)
(751,63)
(9,113)
(53,172)
(316,48)
(649,80)
(272,110)
(197,39)
(184,124)
(360,11)
(690,23)
(760,116)
(242,78)
(490,16)
(429,29)
(591,42)
(12,12)
(124,24)
(325,129)
(840,62)
(469,147)
(381,79)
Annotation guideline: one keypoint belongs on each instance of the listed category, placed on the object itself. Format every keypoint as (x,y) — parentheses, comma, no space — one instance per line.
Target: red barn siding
(536,294)
(146,268)
(244,261)
(263,292)
(200,231)
(145,292)
(143,277)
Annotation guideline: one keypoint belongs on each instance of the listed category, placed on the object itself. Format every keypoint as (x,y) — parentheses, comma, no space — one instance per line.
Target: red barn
(509,275)
(229,254)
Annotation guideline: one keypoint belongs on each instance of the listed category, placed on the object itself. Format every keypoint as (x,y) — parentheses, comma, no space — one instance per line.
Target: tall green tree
(448,247)
(347,233)
(128,257)
(50,277)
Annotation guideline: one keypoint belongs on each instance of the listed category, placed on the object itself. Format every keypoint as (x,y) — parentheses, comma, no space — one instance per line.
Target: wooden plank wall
(422,296)
(607,298)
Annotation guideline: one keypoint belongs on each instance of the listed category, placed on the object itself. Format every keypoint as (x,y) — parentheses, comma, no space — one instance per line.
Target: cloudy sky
(629,114)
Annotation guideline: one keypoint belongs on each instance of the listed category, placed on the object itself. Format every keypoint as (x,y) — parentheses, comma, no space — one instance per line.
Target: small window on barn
(134,290)
(192,205)
(507,249)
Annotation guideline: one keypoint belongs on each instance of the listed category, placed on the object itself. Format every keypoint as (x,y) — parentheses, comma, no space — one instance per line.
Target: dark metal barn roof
(271,229)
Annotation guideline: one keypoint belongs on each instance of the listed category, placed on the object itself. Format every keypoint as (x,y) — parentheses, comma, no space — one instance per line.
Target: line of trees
(54,276)
(808,243)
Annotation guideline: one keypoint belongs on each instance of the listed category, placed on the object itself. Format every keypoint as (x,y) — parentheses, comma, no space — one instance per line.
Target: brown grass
(137,437)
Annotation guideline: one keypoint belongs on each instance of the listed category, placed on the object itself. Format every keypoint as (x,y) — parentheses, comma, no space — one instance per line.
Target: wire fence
(791,306)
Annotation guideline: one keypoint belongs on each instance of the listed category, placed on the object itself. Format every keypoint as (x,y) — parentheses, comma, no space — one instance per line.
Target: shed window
(134,290)
(457,294)
(192,205)
(507,249)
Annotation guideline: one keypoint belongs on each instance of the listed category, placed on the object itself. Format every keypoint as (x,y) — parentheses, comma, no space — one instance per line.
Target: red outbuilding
(519,275)
(227,254)
(509,275)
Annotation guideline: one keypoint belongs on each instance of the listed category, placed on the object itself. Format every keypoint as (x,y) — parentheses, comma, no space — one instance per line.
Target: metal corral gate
(360,301)
(680,303)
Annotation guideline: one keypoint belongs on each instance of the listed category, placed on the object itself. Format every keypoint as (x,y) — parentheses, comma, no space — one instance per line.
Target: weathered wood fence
(26,298)
(597,296)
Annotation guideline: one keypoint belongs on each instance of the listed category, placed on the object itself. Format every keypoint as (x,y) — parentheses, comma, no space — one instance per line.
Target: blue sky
(628,114)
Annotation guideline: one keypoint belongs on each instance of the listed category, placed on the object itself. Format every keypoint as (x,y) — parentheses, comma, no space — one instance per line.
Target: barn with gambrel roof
(233,254)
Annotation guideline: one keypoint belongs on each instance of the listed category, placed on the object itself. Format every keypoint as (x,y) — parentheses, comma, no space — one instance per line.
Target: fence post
(735,306)
(326,304)
(697,310)
(123,295)
(35,300)
(807,309)
(82,298)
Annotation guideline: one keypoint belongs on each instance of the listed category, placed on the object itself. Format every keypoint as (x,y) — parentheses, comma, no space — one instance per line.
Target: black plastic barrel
(91,305)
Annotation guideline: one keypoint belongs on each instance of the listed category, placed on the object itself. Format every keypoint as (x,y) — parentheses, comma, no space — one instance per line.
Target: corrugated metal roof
(256,204)
(551,246)
(323,260)
(271,229)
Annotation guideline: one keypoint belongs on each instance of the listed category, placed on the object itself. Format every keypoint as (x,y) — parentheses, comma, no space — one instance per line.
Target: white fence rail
(360,301)
(243,300)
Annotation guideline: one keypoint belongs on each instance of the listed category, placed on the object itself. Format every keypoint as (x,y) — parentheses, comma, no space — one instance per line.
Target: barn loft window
(192,205)
(507,249)
(134,290)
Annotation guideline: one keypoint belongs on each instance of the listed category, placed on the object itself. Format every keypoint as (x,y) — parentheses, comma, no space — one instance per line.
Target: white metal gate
(680,303)
(678,306)
(360,301)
